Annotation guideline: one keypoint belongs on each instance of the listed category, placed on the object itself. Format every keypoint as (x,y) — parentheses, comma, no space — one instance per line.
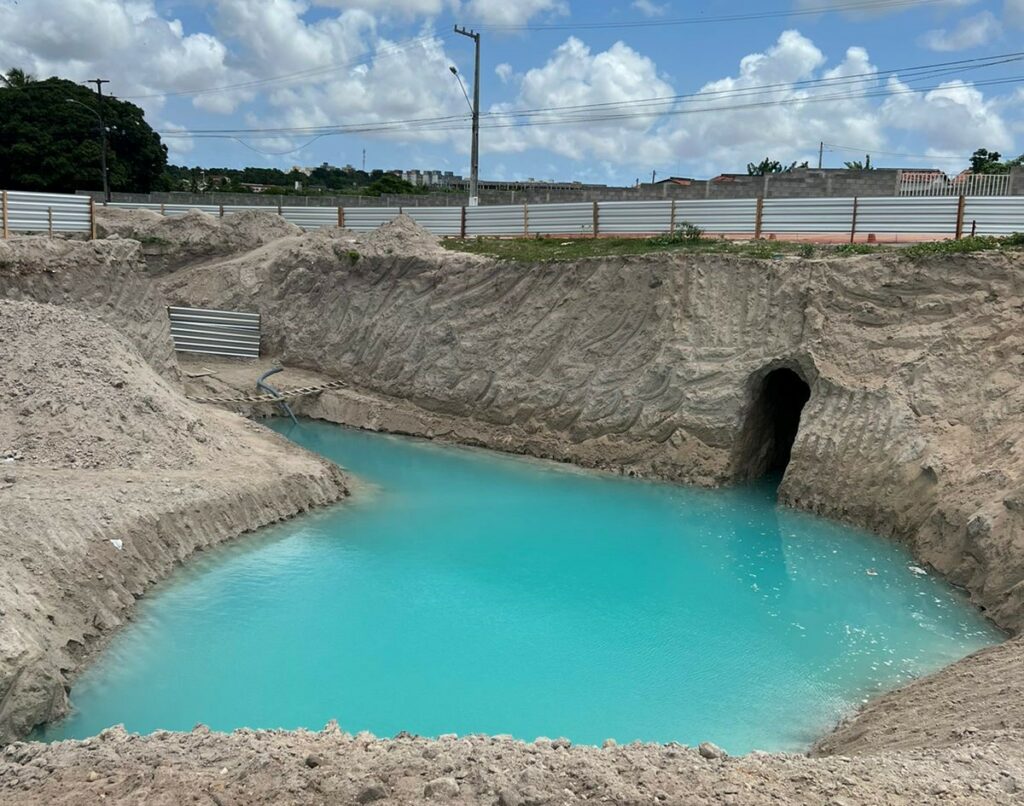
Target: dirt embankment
(275,767)
(172,242)
(105,279)
(109,478)
(651,365)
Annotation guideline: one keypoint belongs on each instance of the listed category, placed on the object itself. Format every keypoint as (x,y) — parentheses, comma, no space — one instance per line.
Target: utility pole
(821,153)
(474,158)
(99,82)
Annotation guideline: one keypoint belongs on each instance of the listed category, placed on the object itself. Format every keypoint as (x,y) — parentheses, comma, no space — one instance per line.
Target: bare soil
(643,365)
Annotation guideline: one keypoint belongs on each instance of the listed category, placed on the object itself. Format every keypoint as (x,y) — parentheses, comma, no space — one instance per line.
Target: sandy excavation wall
(102,278)
(109,478)
(651,365)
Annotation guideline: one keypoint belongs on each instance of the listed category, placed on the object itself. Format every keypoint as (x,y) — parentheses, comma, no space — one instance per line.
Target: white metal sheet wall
(503,219)
(46,212)
(438,220)
(719,215)
(806,216)
(634,218)
(999,216)
(213,332)
(911,216)
(561,219)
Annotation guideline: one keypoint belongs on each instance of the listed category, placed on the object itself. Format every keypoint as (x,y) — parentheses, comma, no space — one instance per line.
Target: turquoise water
(467,591)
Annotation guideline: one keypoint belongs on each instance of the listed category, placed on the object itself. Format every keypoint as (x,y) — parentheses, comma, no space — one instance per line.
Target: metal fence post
(462,225)
(758,217)
(163,209)
(853,223)
(49,220)
(596,220)
(526,221)
(672,218)
(960,205)
(341,216)
(222,211)
(92,218)
(3,209)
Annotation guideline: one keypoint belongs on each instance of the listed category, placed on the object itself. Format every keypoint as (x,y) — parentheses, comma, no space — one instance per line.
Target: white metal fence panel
(213,332)
(497,220)
(364,219)
(437,220)
(634,218)
(806,216)
(561,219)
(46,212)
(924,184)
(924,216)
(986,216)
(719,215)
(306,217)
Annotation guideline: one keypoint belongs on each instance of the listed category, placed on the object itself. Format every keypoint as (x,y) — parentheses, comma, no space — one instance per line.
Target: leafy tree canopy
(49,144)
(857,165)
(984,161)
(770,166)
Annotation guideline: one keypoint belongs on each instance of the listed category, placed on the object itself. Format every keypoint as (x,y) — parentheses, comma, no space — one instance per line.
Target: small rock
(509,797)
(561,742)
(92,776)
(441,788)
(371,793)
(313,761)
(710,750)
(609,743)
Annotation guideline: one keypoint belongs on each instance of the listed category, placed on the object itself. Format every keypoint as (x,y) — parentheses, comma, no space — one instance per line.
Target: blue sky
(732,90)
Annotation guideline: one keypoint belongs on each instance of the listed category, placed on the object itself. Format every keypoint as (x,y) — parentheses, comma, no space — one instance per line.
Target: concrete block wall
(805,183)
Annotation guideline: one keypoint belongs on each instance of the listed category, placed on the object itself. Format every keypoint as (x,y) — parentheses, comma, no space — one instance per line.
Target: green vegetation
(770,166)
(541,250)
(49,144)
(984,161)
(979,243)
(324,180)
(558,249)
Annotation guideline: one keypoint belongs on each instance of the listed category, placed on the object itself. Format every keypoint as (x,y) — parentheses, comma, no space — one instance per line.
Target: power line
(581,112)
(866,6)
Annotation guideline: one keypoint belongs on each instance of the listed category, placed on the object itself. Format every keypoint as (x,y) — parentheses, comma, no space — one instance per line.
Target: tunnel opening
(766,442)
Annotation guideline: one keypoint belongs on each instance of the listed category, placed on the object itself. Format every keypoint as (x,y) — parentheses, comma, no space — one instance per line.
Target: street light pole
(103,139)
(474,158)
(99,82)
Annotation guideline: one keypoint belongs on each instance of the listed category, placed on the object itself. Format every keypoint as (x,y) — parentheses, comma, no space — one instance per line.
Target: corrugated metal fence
(855,218)
(21,211)
(847,218)
(212,332)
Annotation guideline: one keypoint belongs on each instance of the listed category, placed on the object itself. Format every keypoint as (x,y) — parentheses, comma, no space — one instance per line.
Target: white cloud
(511,12)
(126,41)
(398,8)
(576,76)
(650,9)
(504,72)
(1013,13)
(970,32)
(954,119)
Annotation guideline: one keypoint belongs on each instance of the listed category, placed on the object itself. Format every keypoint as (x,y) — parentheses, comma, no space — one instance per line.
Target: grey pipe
(266,387)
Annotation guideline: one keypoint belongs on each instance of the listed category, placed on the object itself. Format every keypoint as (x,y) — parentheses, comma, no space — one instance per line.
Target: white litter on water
(918,570)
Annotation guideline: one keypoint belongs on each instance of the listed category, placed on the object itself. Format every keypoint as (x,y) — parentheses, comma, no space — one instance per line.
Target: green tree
(49,144)
(16,78)
(770,166)
(392,185)
(857,165)
(984,161)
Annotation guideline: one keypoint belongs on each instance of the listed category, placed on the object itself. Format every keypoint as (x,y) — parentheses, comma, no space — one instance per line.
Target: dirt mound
(105,279)
(170,242)
(77,395)
(108,479)
(400,236)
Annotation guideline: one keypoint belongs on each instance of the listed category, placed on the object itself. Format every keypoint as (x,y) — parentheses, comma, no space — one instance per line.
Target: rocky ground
(331,767)
(915,428)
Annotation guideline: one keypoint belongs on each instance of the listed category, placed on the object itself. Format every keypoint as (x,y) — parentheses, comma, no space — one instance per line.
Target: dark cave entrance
(766,441)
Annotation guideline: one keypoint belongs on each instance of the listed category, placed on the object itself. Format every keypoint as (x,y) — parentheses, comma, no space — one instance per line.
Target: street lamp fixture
(103,143)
